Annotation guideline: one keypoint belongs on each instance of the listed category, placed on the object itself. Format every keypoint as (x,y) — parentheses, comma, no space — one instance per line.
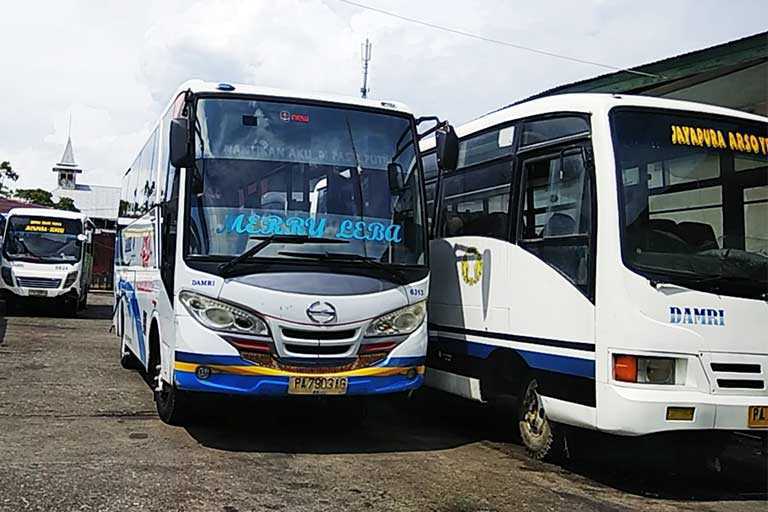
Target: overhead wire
(496,41)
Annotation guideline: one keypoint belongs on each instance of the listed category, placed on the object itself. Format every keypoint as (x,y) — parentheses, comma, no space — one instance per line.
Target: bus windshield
(42,239)
(270,168)
(694,196)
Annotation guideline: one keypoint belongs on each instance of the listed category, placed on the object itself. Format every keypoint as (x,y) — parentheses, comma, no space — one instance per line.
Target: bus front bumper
(394,375)
(637,411)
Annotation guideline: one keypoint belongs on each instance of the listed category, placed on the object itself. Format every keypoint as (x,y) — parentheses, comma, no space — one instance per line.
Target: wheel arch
(504,374)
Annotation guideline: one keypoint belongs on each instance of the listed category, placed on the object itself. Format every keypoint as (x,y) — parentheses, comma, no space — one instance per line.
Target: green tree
(6,174)
(67,203)
(44,198)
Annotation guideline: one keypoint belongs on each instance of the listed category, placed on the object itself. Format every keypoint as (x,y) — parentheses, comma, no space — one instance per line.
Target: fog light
(410,374)
(680,413)
(203,372)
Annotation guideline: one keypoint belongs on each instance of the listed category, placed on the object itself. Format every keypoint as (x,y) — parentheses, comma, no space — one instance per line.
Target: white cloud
(114,67)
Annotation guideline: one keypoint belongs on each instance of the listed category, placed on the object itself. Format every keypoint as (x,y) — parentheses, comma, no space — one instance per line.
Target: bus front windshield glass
(270,169)
(42,239)
(694,194)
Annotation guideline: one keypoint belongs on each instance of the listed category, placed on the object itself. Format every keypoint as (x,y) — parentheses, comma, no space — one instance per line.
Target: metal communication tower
(366,57)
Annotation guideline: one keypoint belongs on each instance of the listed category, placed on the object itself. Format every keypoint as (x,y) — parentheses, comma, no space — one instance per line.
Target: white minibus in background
(273,243)
(604,259)
(46,254)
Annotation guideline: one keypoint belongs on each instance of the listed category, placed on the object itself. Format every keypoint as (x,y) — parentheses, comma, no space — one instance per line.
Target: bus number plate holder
(757,416)
(317,385)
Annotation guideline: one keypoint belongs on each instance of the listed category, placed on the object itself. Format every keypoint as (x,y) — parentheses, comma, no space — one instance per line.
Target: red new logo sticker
(297,118)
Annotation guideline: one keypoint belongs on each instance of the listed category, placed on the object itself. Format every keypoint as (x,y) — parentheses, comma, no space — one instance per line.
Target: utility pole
(366,57)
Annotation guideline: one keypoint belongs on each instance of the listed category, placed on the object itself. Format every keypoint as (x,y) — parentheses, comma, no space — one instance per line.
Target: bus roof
(46,212)
(587,103)
(199,86)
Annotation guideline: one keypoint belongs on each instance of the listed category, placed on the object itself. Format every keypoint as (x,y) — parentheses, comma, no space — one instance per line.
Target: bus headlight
(221,316)
(7,276)
(402,321)
(70,280)
(644,370)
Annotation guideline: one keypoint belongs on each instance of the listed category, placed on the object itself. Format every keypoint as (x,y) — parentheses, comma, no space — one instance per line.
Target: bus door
(129,313)
(473,228)
(553,263)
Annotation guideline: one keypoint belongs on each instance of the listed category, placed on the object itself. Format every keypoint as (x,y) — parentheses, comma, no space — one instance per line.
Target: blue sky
(113,65)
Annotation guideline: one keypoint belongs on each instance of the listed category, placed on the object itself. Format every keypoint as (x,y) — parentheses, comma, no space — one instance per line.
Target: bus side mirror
(447,143)
(179,141)
(395,176)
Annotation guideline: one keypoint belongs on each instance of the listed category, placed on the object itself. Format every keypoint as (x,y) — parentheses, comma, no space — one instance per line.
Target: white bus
(604,259)
(273,243)
(46,254)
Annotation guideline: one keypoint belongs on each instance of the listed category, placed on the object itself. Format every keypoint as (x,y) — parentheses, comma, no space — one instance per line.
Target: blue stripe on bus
(538,360)
(560,364)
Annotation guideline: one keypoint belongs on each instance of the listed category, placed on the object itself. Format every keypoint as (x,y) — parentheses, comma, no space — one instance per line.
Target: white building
(98,202)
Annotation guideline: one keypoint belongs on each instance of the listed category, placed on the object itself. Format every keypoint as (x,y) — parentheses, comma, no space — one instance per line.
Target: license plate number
(317,385)
(757,416)
(38,293)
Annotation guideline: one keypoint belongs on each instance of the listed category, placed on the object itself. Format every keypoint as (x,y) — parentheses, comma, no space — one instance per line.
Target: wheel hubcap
(534,417)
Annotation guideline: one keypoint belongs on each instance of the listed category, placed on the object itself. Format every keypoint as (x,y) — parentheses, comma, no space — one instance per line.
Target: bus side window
(476,202)
(556,217)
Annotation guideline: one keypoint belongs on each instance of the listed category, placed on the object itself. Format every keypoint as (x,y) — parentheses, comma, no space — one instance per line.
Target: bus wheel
(172,405)
(84,301)
(71,307)
(536,431)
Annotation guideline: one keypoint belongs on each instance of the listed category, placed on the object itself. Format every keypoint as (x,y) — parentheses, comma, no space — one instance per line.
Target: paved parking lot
(77,432)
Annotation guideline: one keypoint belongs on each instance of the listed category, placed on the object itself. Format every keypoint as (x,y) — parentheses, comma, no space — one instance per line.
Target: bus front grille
(301,334)
(37,282)
(737,374)
(318,350)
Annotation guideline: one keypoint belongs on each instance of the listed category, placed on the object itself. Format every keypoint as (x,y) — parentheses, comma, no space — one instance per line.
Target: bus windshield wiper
(226,267)
(26,248)
(395,274)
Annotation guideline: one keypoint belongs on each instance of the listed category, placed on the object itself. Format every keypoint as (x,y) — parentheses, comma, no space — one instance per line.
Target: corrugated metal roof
(8,204)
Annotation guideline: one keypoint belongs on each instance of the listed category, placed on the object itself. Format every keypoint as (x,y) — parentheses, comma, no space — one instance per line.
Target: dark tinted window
(429,161)
(476,202)
(486,146)
(543,130)
(556,220)
(694,191)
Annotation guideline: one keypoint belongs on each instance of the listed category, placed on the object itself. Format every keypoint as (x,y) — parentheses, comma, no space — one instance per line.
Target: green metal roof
(727,57)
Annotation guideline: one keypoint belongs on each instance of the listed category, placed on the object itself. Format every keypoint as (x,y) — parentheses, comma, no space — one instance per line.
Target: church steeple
(67,167)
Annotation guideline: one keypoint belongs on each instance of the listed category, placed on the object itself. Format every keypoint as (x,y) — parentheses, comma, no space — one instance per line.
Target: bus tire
(71,307)
(172,405)
(84,301)
(539,435)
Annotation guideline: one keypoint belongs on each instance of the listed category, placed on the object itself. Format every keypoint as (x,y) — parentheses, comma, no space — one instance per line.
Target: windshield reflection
(39,239)
(284,169)
(694,208)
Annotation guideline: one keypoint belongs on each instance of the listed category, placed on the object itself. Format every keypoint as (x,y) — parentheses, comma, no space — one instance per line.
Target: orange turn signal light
(625,368)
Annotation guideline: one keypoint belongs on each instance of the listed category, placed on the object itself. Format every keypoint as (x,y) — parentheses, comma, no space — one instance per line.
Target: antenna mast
(366,58)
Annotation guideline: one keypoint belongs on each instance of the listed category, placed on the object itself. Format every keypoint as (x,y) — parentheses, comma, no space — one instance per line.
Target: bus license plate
(317,385)
(38,293)
(757,416)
